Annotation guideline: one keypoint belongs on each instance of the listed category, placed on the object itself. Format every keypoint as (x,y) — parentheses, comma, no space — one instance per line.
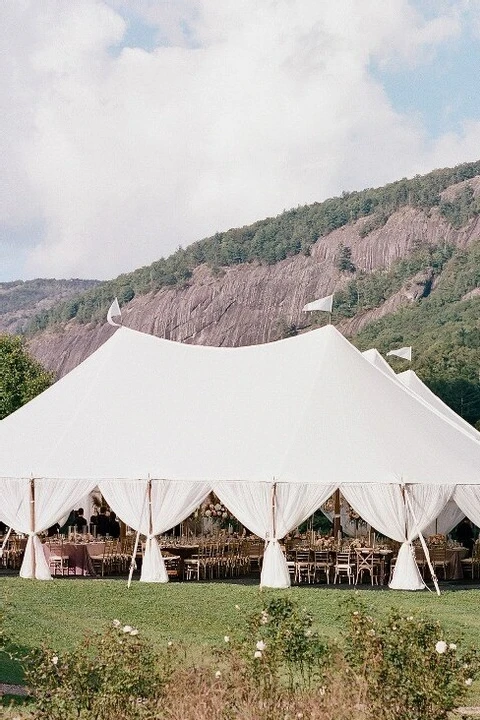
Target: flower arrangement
(329,505)
(217,510)
(437,539)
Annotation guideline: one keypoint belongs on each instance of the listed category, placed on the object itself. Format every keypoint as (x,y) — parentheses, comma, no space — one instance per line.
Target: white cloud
(244,109)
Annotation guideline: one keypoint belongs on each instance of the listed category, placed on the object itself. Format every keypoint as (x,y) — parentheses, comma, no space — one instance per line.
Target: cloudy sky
(130,127)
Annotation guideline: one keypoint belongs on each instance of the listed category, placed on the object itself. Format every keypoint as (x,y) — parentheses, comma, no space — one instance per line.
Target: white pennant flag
(404,352)
(114,311)
(324,304)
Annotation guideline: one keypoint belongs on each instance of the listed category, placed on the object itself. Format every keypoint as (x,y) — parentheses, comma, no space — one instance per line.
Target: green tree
(21,377)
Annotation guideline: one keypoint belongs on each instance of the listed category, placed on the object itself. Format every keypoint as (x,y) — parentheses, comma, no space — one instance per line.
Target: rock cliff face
(254,303)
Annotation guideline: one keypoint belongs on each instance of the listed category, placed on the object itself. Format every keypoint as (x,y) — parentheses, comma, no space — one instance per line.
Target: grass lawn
(198,614)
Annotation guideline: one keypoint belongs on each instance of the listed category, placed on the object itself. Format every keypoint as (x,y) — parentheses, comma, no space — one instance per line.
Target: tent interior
(272,429)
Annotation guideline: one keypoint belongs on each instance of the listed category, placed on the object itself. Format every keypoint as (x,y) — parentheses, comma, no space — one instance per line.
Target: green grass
(62,611)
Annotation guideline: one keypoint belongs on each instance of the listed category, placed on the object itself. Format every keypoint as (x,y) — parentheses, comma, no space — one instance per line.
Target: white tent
(274,429)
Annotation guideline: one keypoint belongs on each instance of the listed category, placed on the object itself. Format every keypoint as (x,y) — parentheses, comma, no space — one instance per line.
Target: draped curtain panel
(153,512)
(467,498)
(52,500)
(386,508)
(450,516)
(271,511)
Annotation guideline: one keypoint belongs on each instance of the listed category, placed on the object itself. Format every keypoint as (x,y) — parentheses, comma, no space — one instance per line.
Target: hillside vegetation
(274,239)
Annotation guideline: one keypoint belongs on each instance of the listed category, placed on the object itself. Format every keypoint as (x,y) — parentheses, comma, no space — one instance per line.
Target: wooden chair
(438,558)
(322,565)
(303,566)
(344,566)
(60,563)
(471,565)
(366,563)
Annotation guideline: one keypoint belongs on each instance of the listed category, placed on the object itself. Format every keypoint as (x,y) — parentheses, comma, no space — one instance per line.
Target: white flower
(55,659)
(170,643)
(261,645)
(468,681)
(371,632)
(227,638)
(134,631)
(264,617)
(218,506)
(116,623)
(237,607)
(322,690)
(452,646)
(224,515)
(308,633)
(218,674)
(257,654)
(394,627)
(441,647)
(208,513)
(127,628)
(410,617)
(355,612)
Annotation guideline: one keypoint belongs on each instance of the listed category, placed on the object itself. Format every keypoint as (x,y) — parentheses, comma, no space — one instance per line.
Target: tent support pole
(150,521)
(32,525)
(137,538)
(423,544)
(336,514)
(274,510)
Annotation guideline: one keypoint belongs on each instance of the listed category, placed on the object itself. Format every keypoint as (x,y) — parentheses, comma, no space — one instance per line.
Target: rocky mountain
(21,301)
(400,259)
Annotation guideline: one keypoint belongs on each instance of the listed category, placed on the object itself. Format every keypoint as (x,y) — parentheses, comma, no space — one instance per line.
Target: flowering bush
(411,671)
(280,643)
(110,675)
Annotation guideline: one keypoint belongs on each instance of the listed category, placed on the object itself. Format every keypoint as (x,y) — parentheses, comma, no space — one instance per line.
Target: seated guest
(80,522)
(114,526)
(103,523)
(465,534)
(3,528)
(54,530)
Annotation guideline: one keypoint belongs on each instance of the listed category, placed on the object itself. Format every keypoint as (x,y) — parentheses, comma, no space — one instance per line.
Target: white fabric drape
(52,499)
(385,508)
(153,513)
(271,510)
(467,498)
(450,516)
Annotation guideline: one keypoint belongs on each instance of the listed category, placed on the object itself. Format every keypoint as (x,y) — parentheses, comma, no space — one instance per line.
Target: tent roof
(304,409)
(411,380)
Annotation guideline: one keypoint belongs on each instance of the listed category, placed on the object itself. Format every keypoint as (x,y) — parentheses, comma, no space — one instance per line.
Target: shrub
(111,674)
(411,670)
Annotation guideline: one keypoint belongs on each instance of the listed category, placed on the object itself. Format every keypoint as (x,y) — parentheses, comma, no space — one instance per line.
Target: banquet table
(79,555)
(454,557)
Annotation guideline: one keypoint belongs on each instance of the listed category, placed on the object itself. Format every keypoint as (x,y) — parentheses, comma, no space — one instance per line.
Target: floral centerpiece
(437,539)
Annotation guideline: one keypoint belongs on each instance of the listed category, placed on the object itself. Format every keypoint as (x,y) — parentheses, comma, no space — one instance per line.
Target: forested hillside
(403,261)
(20,301)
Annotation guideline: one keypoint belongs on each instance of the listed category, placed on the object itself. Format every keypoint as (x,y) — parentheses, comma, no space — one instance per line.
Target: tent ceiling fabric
(304,409)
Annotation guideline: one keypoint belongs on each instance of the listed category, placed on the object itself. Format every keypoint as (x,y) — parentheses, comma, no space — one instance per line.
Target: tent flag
(325,304)
(114,311)
(403,352)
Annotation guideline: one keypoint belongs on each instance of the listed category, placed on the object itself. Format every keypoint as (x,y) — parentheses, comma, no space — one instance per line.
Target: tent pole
(336,514)
(137,538)
(424,546)
(150,521)
(32,525)
(274,510)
